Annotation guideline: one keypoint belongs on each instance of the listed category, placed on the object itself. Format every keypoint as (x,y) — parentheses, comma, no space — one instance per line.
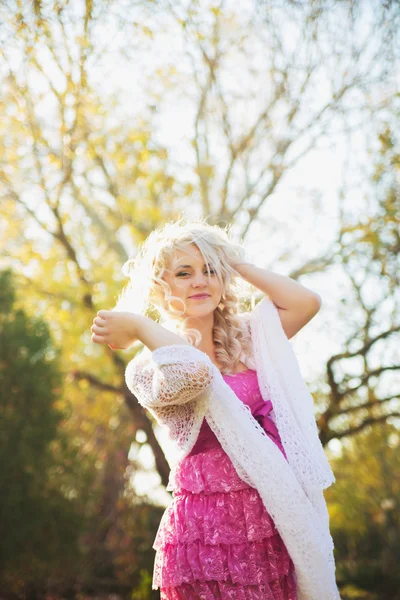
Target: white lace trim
(280,378)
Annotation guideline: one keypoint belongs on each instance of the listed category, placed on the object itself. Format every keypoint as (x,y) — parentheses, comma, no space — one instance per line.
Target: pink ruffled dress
(216,541)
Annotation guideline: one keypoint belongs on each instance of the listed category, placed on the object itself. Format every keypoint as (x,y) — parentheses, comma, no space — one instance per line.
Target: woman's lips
(199,297)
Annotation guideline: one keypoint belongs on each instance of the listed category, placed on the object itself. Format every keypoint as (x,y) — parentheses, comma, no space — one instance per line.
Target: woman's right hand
(116,329)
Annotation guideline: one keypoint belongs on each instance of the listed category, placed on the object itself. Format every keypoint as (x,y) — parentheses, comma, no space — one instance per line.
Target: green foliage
(53,534)
(39,517)
(143,590)
(365,511)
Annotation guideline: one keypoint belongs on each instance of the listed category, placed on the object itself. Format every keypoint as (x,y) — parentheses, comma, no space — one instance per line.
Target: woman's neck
(207,346)
(205,326)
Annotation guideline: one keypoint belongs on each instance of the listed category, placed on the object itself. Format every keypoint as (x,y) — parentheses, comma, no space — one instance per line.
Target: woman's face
(189,281)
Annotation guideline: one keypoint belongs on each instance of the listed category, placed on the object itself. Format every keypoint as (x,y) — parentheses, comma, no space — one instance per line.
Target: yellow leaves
(148,32)
(188,189)
(64,317)
(8,209)
(163,154)
(91,152)
(83,385)
(206,171)
(83,41)
(144,155)
(148,212)
(137,135)
(54,160)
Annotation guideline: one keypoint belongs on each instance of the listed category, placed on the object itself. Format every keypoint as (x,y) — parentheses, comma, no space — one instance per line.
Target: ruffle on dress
(280,589)
(240,563)
(215,536)
(206,472)
(220,518)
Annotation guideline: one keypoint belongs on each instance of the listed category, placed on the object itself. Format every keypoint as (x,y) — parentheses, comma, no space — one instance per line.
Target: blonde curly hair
(148,293)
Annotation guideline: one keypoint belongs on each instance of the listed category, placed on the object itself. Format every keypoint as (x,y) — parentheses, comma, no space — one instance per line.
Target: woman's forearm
(153,335)
(282,290)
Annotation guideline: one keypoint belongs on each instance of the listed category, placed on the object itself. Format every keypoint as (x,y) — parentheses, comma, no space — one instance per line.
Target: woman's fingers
(98,339)
(99,329)
(99,321)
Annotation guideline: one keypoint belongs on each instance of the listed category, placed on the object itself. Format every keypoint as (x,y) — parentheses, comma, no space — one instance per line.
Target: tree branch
(358,428)
(78,375)
(367,405)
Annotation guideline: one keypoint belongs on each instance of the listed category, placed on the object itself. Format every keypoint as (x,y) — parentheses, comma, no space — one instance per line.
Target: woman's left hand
(238,267)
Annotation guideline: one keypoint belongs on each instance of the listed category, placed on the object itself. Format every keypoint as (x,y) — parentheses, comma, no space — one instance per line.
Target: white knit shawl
(292,490)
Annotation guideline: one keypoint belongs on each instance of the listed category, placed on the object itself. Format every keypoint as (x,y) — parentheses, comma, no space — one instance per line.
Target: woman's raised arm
(296,304)
(120,329)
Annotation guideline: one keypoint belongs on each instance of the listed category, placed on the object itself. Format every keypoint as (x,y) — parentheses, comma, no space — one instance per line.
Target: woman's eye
(184,273)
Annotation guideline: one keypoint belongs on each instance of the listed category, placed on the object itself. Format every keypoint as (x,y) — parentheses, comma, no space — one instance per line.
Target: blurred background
(280,118)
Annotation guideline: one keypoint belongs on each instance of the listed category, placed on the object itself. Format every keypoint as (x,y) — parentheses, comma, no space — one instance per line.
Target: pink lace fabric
(216,540)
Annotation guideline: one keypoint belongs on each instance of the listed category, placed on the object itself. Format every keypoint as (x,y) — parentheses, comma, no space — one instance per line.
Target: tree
(363,378)
(364,510)
(66,164)
(53,535)
(269,84)
(40,516)
(82,182)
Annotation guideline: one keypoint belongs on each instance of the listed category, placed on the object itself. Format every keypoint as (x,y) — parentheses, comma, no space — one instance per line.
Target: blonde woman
(248,519)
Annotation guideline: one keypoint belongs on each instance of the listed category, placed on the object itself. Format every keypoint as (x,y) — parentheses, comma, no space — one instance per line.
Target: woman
(248,518)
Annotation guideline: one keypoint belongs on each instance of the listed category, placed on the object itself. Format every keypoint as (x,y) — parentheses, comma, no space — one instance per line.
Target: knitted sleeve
(171,375)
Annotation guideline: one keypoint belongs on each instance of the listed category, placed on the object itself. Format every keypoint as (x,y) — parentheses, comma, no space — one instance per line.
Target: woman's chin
(199,312)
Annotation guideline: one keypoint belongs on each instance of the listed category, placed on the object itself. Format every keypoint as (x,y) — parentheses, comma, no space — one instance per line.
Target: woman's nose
(200,280)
